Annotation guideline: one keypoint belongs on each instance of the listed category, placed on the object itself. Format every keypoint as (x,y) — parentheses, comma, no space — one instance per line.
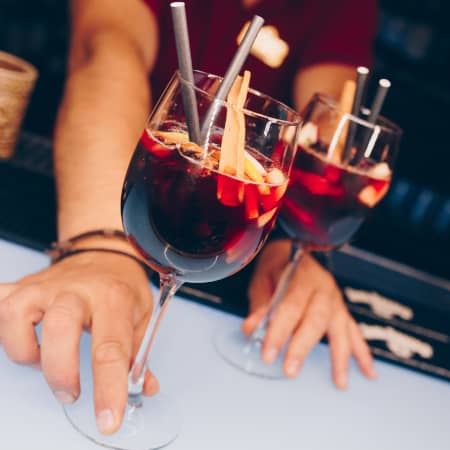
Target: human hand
(106,294)
(313,307)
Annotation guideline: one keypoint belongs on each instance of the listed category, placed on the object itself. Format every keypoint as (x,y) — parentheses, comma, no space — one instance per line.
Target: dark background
(412,49)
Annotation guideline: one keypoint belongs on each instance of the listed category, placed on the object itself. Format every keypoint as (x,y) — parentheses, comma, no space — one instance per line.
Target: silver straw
(377,104)
(232,72)
(383,87)
(185,67)
(362,74)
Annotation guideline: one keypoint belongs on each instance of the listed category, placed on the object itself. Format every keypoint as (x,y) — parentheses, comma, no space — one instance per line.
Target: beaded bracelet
(64,249)
(57,249)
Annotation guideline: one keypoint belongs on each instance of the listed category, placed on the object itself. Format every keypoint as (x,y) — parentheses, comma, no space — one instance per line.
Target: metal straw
(377,104)
(230,75)
(362,74)
(383,87)
(185,67)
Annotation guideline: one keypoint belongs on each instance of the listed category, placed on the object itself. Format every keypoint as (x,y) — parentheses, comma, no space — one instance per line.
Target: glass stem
(296,255)
(168,285)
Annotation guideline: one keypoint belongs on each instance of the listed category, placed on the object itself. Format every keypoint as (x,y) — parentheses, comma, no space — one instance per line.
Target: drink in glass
(330,194)
(193,220)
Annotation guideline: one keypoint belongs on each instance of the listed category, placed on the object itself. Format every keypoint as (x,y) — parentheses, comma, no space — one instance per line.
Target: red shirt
(316,31)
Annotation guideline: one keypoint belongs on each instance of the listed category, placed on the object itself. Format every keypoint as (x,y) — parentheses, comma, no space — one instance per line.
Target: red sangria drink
(327,202)
(186,217)
(342,169)
(202,191)
(198,202)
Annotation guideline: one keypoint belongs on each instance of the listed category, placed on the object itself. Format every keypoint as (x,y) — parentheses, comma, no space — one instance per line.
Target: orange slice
(251,202)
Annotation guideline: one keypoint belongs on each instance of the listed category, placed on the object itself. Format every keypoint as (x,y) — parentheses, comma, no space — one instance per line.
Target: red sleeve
(341,32)
(154,5)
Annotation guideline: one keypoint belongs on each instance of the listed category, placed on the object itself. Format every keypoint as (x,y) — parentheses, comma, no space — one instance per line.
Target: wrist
(107,239)
(105,242)
(70,224)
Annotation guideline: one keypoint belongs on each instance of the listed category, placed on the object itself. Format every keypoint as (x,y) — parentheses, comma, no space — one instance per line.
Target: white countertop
(224,408)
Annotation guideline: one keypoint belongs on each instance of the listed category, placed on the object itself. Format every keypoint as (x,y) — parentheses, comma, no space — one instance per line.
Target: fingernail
(372,373)
(292,367)
(64,397)
(105,421)
(342,381)
(270,355)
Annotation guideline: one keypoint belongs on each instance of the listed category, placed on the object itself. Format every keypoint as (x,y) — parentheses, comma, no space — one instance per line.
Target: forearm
(103,112)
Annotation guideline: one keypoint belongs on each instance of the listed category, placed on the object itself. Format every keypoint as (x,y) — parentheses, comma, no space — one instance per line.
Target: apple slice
(153,146)
(172,137)
(253,168)
(308,135)
(380,171)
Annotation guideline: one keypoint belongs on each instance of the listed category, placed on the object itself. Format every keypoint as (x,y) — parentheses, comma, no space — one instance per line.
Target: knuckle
(290,308)
(109,352)
(295,350)
(68,304)
(13,311)
(59,317)
(320,318)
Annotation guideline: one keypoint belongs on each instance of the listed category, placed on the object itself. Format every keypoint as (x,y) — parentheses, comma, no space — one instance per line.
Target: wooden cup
(17,80)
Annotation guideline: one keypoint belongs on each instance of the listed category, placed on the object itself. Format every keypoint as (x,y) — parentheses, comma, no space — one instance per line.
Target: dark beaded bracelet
(57,249)
(64,249)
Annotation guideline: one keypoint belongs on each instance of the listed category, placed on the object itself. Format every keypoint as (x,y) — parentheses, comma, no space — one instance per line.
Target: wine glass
(342,169)
(193,221)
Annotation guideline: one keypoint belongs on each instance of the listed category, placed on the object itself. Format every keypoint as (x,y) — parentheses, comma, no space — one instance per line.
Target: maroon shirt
(317,31)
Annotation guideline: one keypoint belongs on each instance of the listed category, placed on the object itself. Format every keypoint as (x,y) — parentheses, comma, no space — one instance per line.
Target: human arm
(105,104)
(328,78)
(313,305)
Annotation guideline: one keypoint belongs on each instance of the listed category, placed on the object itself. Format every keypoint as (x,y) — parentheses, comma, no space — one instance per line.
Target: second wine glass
(342,169)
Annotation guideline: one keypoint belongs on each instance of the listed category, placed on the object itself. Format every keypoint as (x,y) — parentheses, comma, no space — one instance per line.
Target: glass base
(151,426)
(245,354)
